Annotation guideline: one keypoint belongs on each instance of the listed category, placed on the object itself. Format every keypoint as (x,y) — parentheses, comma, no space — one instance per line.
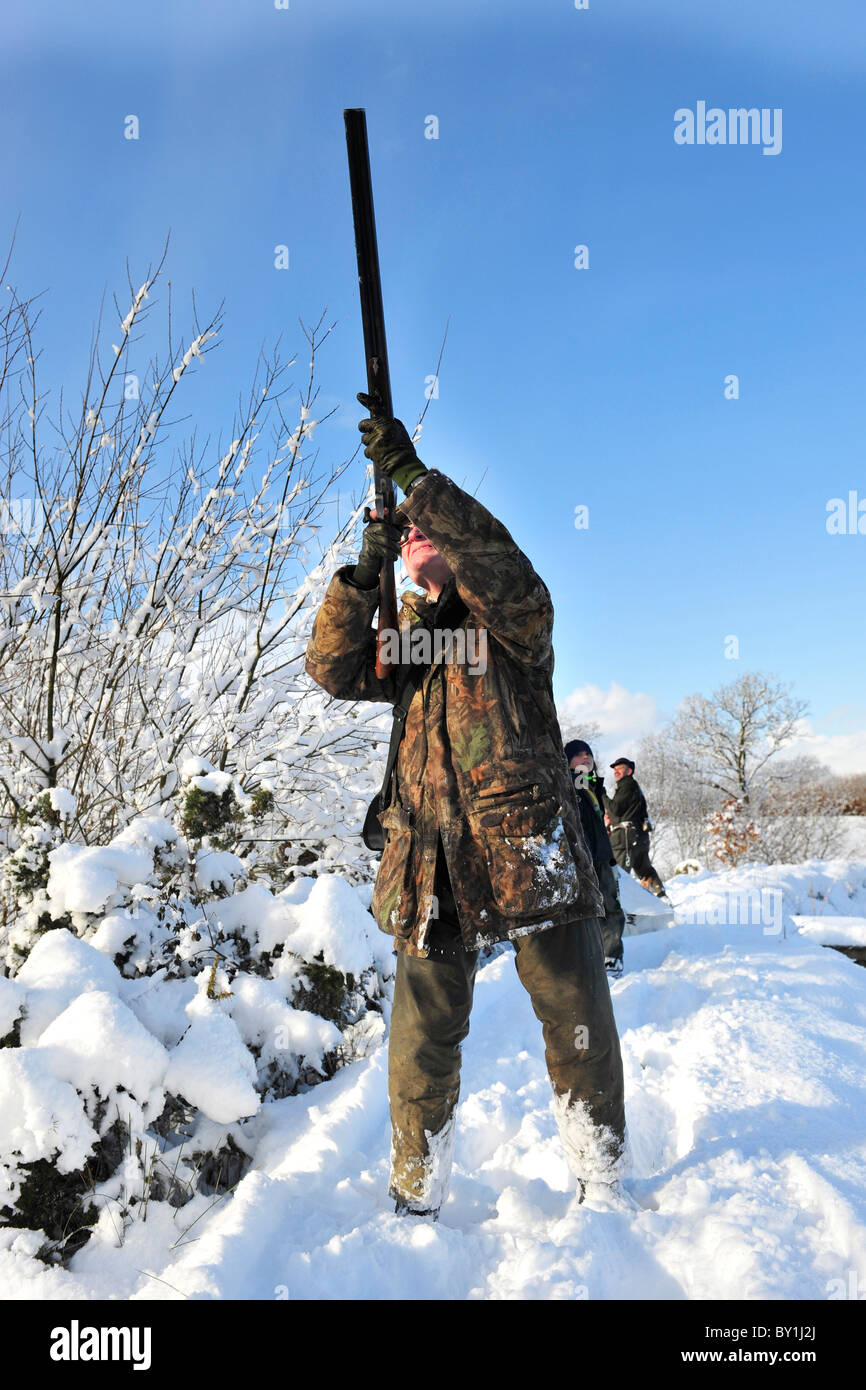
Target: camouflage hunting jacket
(481,761)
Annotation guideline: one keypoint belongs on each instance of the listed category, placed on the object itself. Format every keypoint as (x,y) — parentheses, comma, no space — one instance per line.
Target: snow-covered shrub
(144,1033)
(156,604)
(732,835)
(185,939)
(26,870)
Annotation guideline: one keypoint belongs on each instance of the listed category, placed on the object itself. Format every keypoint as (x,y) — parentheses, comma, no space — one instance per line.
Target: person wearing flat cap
(629,823)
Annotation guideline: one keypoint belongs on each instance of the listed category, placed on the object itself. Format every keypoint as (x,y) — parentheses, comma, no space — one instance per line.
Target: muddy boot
(643,867)
(429,1020)
(402,1208)
(562,968)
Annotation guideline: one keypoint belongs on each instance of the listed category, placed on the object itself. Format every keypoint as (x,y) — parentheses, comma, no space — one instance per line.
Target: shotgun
(375,346)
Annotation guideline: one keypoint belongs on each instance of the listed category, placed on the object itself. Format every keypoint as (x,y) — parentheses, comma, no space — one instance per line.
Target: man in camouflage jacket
(483,841)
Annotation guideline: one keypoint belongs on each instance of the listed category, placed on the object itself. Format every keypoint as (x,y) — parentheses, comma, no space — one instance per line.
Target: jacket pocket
(394,895)
(509,779)
(529,859)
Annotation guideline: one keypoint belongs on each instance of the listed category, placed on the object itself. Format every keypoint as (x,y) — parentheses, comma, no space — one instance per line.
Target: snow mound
(218,869)
(213,1069)
(644,911)
(333,921)
(775,892)
(744,1055)
(832,931)
(12,998)
(90,878)
(97,1042)
(40,1115)
(59,968)
(277,1031)
(327,920)
(148,832)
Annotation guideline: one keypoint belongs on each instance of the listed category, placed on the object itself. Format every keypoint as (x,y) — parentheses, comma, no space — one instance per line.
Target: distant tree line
(721,787)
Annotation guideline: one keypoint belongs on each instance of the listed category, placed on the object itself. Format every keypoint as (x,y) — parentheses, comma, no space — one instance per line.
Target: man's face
(424,564)
(621,771)
(582,760)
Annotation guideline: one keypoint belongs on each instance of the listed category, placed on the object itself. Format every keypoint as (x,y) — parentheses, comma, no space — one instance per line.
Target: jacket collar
(420,606)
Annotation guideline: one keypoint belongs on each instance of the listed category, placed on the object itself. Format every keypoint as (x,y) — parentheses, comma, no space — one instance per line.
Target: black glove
(387,443)
(381,543)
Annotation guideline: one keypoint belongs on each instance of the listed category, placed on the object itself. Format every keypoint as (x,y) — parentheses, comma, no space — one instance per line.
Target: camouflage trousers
(562,969)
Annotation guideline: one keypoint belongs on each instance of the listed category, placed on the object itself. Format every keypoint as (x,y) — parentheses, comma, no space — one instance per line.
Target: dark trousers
(613,922)
(562,969)
(631,851)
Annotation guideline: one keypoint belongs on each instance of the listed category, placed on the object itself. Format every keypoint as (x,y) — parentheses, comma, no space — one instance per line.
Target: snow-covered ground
(744,1046)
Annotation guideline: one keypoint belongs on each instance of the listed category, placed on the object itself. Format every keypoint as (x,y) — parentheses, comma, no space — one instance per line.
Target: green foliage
(327,990)
(225,819)
(208,813)
(26,869)
(27,872)
(60,1203)
(37,809)
(13,1037)
(262,802)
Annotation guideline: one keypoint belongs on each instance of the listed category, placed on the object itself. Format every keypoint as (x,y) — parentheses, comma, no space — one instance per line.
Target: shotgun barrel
(375,345)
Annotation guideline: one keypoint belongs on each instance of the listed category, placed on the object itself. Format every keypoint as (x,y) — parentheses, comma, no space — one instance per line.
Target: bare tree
(731,737)
(156,595)
(680,801)
(851,790)
(719,789)
(800,809)
(588,730)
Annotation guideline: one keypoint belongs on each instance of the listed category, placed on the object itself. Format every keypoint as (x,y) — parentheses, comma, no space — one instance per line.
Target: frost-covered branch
(158,594)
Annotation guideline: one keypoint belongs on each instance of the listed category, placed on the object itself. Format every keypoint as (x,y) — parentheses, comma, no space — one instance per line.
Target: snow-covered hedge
(158,995)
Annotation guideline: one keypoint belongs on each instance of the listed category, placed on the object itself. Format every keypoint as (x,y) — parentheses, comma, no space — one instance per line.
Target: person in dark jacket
(590,799)
(630,825)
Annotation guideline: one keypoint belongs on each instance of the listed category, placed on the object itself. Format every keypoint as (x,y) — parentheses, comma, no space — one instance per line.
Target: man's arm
(494,578)
(341,655)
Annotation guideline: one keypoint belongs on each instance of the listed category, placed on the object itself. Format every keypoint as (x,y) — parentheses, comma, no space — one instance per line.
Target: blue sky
(560,387)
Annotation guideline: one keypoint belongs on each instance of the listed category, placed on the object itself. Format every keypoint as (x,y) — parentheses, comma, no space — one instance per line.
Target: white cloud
(842,753)
(624,716)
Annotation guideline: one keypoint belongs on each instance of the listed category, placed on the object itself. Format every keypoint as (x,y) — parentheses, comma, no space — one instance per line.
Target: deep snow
(745,1064)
